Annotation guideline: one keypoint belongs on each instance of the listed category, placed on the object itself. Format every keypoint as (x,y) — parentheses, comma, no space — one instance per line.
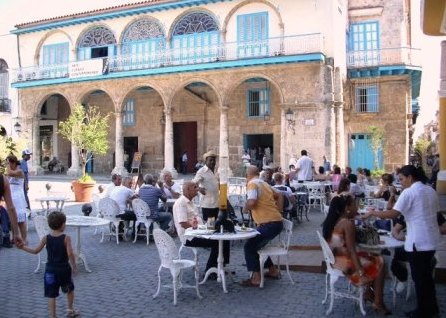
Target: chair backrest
(109,208)
(285,235)
(326,250)
(96,199)
(141,209)
(167,249)
(41,225)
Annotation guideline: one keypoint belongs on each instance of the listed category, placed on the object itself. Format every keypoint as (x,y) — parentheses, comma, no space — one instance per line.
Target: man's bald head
(190,189)
(251,172)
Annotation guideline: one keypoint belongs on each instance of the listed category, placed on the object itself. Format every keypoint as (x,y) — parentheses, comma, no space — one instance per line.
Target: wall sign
(87,68)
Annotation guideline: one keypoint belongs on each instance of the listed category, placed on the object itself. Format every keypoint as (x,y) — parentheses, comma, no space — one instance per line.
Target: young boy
(57,270)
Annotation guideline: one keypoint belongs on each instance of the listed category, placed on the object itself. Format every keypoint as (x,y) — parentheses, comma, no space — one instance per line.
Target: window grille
(128,118)
(367,96)
(258,102)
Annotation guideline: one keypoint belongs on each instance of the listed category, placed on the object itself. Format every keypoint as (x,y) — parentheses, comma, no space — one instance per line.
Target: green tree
(376,144)
(87,129)
(422,145)
(9,146)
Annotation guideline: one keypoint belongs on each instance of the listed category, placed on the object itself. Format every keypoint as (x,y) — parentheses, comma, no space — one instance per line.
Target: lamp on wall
(17,128)
(289,116)
(266,117)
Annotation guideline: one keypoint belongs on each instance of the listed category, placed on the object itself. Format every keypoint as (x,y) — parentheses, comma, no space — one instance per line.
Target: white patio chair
(42,229)
(142,212)
(109,210)
(277,249)
(332,277)
(316,194)
(96,198)
(168,254)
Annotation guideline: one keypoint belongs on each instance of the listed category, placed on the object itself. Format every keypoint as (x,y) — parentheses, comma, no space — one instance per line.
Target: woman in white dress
(16,179)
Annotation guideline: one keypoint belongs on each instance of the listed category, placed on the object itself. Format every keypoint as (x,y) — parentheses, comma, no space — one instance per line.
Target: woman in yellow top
(264,203)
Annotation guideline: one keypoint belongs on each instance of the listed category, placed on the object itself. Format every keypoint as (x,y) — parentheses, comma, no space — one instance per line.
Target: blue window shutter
(84,53)
(128,118)
(55,53)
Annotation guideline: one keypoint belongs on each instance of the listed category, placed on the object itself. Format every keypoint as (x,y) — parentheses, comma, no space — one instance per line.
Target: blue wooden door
(360,153)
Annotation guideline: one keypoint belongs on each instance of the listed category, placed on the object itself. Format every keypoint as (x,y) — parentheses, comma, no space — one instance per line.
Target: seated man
(185,215)
(116,181)
(123,194)
(264,202)
(151,195)
(171,189)
(289,205)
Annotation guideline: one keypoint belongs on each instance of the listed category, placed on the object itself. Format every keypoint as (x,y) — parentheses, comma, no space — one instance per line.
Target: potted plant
(87,129)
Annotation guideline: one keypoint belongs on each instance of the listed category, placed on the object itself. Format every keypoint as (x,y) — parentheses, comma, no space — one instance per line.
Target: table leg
(220,270)
(80,257)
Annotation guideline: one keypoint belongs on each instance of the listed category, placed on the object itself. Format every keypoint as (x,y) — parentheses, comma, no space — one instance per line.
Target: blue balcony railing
(384,57)
(232,51)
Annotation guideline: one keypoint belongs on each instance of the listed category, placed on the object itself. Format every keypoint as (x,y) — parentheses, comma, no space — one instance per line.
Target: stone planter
(83,191)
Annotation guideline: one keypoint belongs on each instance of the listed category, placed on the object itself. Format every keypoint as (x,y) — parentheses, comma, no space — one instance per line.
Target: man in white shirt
(208,182)
(304,167)
(123,194)
(185,215)
(116,181)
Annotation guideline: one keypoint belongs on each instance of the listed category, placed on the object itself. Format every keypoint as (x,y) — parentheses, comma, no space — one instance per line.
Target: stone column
(224,145)
(35,168)
(284,137)
(75,169)
(441,177)
(119,146)
(168,143)
(341,133)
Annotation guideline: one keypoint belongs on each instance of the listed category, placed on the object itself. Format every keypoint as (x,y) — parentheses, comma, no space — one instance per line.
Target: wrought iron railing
(386,56)
(272,47)
(5,105)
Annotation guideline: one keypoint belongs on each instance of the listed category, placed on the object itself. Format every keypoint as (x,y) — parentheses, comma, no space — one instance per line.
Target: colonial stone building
(228,75)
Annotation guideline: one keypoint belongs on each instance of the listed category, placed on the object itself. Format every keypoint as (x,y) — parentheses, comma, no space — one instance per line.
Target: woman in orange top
(360,267)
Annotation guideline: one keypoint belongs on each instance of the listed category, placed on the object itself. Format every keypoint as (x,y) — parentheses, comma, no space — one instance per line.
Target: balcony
(384,57)
(5,105)
(298,48)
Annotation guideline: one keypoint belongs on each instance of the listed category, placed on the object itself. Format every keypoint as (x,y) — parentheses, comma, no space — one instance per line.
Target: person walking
(26,155)
(304,167)
(60,264)
(184,162)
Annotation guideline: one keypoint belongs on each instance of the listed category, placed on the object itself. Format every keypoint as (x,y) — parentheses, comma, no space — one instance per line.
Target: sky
(19,11)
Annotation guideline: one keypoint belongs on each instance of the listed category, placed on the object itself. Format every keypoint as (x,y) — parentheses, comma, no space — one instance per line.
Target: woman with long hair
(16,179)
(364,269)
(419,204)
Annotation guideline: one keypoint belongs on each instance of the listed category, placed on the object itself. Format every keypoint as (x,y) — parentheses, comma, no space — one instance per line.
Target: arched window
(4,79)
(97,42)
(143,37)
(195,38)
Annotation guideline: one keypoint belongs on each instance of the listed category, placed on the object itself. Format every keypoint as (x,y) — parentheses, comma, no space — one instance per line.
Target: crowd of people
(410,201)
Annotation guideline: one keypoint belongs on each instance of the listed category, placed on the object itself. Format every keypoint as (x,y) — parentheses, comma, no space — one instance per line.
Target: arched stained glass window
(142,30)
(97,42)
(97,36)
(143,38)
(196,22)
(195,39)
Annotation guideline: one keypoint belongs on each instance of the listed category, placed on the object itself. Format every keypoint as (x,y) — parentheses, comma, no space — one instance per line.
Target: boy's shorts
(56,279)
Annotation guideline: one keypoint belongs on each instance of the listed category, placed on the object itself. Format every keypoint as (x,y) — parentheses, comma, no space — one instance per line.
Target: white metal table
(78,222)
(220,237)
(45,202)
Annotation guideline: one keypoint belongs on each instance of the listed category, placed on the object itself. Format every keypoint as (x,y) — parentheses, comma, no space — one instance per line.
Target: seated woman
(387,191)
(336,177)
(363,269)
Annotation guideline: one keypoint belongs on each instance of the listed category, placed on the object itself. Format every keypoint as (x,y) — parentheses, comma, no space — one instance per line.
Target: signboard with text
(87,68)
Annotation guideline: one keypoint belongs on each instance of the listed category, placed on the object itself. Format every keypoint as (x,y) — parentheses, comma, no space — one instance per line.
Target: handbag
(367,235)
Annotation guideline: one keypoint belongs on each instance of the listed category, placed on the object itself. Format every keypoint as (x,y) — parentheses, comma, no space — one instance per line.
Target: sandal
(248,283)
(73,313)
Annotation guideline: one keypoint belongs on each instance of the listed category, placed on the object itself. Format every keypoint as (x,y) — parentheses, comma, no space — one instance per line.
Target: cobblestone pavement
(124,279)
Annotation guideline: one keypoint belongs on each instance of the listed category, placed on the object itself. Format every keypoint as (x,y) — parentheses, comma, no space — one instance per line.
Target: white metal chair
(331,278)
(109,210)
(168,254)
(316,194)
(409,284)
(96,198)
(42,229)
(142,212)
(278,249)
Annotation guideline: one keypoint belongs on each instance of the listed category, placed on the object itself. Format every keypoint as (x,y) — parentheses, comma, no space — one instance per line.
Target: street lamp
(17,128)
(266,117)
(289,116)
